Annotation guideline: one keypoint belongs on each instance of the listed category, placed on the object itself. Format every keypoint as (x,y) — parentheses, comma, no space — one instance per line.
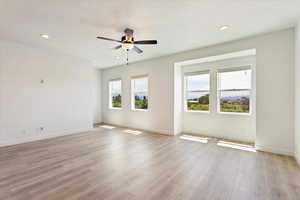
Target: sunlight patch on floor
(107,127)
(238,146)
(134,132)
(194,138)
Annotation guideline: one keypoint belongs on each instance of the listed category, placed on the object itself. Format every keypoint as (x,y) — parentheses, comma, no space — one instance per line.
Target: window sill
(235,114)
(197,111)
(143,110)
(112,108)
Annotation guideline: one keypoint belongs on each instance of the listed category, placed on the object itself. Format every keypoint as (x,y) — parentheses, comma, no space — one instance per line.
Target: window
(139,93)
(197,92)
(115,94)
(234,89)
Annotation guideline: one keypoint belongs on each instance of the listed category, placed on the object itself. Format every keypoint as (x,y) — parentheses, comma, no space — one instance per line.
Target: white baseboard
(218,136)
(42,137)
(159,131)
(274,150)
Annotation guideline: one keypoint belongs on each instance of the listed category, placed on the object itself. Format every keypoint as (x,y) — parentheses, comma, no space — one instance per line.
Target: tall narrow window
(197,91)
(139,93)
(115,94)
(234,91)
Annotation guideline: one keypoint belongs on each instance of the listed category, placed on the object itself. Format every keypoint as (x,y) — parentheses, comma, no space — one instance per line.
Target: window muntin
(197,92)
(234,91)
(115,94)
(139,93)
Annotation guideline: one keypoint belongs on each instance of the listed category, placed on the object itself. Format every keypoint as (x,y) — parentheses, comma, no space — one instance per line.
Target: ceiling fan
(127,41)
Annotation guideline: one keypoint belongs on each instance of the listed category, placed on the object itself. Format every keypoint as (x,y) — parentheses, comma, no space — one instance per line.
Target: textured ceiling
(178,25)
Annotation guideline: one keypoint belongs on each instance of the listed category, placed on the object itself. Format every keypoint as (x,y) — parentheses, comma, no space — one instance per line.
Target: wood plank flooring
(111,164)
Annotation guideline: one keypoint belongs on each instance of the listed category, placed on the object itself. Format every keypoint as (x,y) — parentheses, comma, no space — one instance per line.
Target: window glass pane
(141,84)
(235,101)
(141,93)
(141,101)
(198,101)
(235,80)
(197,94)
(115,92)
(116,86)
(197,82)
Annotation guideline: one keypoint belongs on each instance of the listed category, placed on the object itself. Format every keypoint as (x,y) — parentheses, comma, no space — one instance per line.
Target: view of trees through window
(115,88)
(140,93)
(197,92)
(234,91)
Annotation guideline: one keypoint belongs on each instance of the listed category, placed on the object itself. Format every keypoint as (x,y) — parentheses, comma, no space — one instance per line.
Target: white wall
(65,103)
(275,79)
(297,94)
(239,127)
(178,100)
(158,117)
(96,100)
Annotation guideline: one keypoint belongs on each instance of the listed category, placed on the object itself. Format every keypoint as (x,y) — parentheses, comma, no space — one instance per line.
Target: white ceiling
(178,25)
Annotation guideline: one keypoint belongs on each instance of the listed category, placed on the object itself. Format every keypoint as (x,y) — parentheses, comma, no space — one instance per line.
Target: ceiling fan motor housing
(128,31)
(127,41)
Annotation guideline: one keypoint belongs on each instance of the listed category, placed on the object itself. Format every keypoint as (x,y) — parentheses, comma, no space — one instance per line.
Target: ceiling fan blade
(145,42)
(138,50)
(109,39)
(118,47)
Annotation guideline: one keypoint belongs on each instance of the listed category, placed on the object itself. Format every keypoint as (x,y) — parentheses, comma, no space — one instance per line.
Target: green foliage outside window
(201,103)
(141,102)
(117,101)
(241,106)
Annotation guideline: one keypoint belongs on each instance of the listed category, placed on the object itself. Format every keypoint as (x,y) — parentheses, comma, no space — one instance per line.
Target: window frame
(110,96)
(132,98)
(186,91)
(233,69)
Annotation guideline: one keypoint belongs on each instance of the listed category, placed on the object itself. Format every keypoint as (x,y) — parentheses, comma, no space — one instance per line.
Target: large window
(234,91)
(139,93)
(197,91)
(115,94)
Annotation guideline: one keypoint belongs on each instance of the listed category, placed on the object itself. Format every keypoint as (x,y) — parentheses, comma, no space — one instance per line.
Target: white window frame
(248,67)
(186,91)
(133,92)
(110,96)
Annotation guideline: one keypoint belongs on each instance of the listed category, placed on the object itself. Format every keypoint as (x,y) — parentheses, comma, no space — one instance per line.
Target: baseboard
(274,150)
(247,142)
(163,132)
(42,137)
(98,123)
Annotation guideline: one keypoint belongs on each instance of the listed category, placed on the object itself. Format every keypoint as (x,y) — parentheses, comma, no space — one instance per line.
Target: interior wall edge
(275,150)
(297,93)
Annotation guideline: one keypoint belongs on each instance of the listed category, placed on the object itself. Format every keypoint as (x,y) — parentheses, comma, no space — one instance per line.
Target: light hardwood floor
(111,164)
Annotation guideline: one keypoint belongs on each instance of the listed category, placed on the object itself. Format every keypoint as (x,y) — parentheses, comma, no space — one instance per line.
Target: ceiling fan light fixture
(127,45)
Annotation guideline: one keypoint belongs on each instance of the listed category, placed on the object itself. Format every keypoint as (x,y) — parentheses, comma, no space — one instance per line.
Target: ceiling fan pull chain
(127,56)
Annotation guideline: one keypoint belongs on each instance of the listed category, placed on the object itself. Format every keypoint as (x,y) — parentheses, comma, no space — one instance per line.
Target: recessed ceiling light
(117,57)
(45,36)
(223,28)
